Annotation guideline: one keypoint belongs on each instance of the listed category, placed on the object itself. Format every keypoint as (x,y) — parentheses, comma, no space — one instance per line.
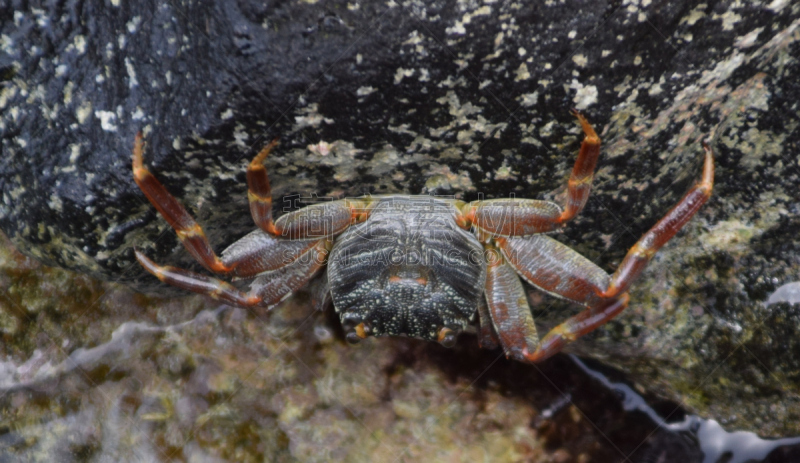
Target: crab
(422,266)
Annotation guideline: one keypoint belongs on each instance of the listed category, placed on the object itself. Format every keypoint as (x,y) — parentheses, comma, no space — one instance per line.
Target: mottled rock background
(457,98)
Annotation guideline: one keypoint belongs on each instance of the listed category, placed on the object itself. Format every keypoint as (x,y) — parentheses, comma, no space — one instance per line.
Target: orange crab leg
(580,181)
(315,221)
(556,269)
(644,249)
(213,287)
(487,337)
(266,290)
(508,306)
(259,193)
(522,217)
(188,230)
(575,327)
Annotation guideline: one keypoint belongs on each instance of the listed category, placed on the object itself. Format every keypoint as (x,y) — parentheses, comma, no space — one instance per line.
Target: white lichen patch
(80,44)
(132,82)
(442,178)
(528,99)
(723,69)
(107,120)
(311,117)
(83,111)
(522,73)
(729,19)
(366,90)
(240,136)
(749,39)
(74,152)
(133,24)
(504,172)
(777,5)
(585,96)
(322,148)
(401,73)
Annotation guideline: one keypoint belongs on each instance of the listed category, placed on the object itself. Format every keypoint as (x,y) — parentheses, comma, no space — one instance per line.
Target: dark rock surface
(460,98)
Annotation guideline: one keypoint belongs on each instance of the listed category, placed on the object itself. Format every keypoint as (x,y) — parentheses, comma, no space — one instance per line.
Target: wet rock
(466,99)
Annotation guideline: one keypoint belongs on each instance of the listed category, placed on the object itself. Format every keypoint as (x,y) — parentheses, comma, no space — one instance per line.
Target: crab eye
(352,338)
(447,337)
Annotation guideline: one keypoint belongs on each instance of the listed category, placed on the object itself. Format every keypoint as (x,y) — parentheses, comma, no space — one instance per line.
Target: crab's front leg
(521,217)
(282,265)
(263,253)
(266,290)
(560,271)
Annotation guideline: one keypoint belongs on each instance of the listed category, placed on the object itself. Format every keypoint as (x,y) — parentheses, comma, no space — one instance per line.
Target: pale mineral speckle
(655,89)
(176,143)
(133,24)
(456,29)
(366,90)
(322,148)
(413,38)
(61,69)
(80,44)
(529,99)
(585,95)
(777,5)
(6,43)
(75,152)
(138,114)
(312,117)
(521,51)
(605,53)
(240,136)
(637,60)
(402,73)
(83,111)
(107,120)
(132,82)
(694,15)
(504,172)
(723,69)
(55,203)
(748,40)
(580,60)
(227,114)
(572,34)
(729,19)
(522,73)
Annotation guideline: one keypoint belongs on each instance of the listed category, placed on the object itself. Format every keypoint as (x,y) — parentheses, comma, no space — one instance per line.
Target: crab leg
(254,254)
(266,290)
(644,249)
(508,307)
(188,230)
(487,337)
(315,221)
(558,270)
(522,217)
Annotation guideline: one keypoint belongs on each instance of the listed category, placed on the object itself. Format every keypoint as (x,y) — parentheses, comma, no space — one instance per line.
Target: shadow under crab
(422,266)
